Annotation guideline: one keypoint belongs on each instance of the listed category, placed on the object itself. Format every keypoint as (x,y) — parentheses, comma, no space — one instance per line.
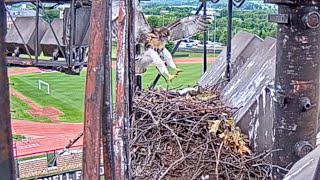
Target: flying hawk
(154,39)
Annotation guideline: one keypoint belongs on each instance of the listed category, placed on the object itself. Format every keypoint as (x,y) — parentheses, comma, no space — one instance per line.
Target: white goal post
(40,82)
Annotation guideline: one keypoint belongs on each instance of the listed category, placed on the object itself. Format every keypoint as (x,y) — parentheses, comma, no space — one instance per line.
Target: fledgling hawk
(154,39)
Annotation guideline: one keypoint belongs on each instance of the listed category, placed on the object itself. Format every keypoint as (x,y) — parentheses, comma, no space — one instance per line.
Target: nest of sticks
(189,137)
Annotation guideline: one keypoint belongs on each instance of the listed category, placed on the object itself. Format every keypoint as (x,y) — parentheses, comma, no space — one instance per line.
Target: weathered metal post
(138,77)
(297,80)
(229,37)
(7,171)
(131,50)
(95,92)
(107,114)
(122,95)
(71,32)
(131,76)
(205,39)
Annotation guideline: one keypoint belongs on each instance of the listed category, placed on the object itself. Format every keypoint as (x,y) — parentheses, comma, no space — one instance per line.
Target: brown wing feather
(188,26)
(142,26)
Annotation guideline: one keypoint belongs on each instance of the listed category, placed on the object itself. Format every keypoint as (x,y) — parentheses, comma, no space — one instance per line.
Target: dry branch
(189,137)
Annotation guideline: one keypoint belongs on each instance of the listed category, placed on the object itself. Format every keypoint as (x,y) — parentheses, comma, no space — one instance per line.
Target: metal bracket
(279,18)
(305,103)
(311,20)
(302,148)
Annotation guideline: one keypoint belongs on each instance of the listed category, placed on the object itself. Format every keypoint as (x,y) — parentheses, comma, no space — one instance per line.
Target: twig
(218,159)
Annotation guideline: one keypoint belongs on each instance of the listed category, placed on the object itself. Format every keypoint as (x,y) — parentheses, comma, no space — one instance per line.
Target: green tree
(170,46)
(154,21)
(248,21)
(52,14)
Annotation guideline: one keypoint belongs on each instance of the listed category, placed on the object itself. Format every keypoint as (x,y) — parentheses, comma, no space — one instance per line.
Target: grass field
(17,137)
(20,108)
(67,91)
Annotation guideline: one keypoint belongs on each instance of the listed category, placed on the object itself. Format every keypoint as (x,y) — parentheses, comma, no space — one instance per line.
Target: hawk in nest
(154,39)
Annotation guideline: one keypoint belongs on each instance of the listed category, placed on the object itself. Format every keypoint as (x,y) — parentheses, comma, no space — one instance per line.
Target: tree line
(249,21)
(255,22)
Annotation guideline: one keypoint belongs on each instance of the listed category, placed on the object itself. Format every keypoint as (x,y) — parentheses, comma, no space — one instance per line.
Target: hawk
(154,39)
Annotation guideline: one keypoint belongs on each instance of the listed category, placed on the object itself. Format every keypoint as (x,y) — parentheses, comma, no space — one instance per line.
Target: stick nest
(189,137)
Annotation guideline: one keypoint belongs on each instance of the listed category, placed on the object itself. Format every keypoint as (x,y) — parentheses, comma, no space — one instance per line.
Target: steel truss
(74,54)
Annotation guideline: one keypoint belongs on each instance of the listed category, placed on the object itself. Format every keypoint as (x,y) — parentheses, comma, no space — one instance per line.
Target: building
(19,11)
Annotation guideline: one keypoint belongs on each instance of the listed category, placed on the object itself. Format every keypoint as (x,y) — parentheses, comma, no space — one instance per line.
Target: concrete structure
(27,28)
(48,43)
(251,87)
(250,90)
(243,45)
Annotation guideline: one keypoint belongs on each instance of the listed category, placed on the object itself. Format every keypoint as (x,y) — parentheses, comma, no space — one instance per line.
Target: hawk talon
(171,77)
(178,70)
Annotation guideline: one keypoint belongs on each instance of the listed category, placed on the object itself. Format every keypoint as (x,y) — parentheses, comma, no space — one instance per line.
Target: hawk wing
(142,27)
(187,27)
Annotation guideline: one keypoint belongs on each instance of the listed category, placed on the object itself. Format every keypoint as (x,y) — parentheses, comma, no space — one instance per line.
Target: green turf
(19,111)
(192,55)
(17,137)
(188,77)
(32,157)
(67,91)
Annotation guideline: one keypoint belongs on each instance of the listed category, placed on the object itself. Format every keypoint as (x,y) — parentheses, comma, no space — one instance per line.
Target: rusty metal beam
(7,170)
(131,50)
(122,92)
(94,92)
(107,114)
(296,82)
(131,77)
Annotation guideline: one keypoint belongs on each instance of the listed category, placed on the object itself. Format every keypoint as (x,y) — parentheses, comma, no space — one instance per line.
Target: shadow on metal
(243,45)
(307,167)
(249,90)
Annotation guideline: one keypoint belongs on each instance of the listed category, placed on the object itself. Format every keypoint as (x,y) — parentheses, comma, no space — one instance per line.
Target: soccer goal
(40,83)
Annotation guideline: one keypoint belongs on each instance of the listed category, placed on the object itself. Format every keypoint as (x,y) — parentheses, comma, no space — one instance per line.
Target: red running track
(44,136)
